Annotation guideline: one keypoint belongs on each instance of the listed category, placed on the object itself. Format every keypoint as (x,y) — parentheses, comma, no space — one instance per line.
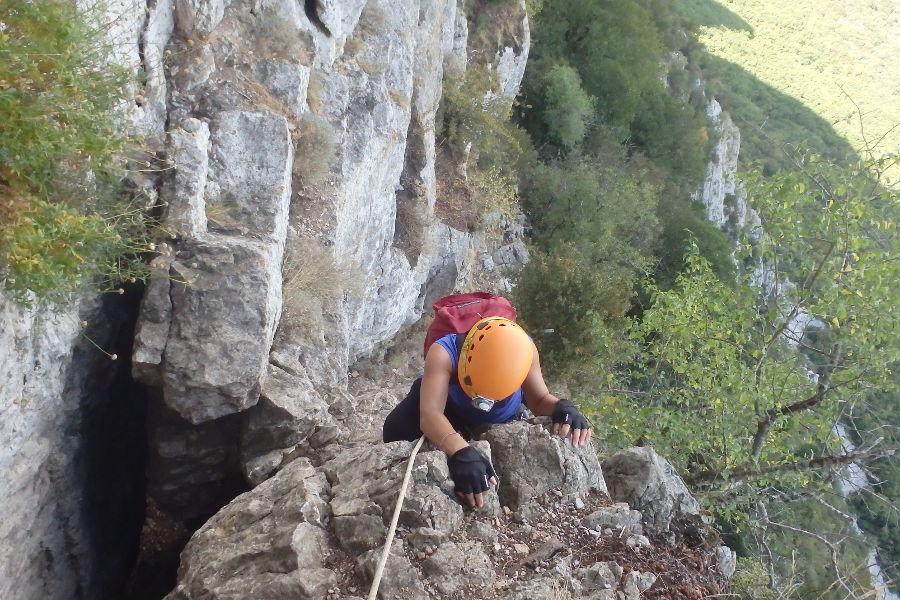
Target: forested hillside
(734,353)
(830,58)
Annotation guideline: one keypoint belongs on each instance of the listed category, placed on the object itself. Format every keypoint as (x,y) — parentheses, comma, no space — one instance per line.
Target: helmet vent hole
(469,359)
(480,337)
(502,324)
(467,380)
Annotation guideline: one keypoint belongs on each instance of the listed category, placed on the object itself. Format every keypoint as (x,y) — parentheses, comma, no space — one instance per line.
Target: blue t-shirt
(461,404)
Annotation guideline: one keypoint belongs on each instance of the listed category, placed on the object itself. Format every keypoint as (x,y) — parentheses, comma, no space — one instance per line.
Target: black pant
(403,422)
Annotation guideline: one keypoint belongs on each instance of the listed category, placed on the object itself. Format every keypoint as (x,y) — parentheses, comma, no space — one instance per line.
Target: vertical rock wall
(305,130)
(300,201)
(64,405)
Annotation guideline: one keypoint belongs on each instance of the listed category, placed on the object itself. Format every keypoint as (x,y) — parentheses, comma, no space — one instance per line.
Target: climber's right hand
(472,475)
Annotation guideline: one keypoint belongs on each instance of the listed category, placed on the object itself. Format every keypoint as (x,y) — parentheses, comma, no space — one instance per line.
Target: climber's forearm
(440,432)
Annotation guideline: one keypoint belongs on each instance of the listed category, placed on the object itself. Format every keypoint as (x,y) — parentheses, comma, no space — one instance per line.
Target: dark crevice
(111,453)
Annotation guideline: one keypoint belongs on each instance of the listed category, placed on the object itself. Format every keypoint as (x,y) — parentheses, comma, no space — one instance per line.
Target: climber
(464,374)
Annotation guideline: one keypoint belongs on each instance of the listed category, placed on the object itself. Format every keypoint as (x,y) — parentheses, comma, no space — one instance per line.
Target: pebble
(579,503)
(421,556)
(521,548)
(507,510)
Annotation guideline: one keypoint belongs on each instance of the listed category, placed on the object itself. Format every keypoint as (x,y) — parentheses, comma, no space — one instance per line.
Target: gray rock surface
(549,462)
(222,297)
(455,566)
(648,483)
(40,496)
(618,516)
(288,412)
(400,580)
(727,559)
(721,175)
(271,541)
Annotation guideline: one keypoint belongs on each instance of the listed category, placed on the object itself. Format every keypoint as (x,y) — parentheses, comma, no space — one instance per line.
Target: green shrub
(474,112)
(672,134)
(62,143)
(583,305)
(751,581)
(564,107)
(683,225)
(52,250)
(612,44)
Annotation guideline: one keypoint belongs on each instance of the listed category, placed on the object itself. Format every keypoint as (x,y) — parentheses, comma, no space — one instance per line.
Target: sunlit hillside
(833,56)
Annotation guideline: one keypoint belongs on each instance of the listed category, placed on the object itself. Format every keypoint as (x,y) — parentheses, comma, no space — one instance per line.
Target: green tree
(745,385)
(565,108)
(672,134)
(594,229)
(741,385)
(612,44)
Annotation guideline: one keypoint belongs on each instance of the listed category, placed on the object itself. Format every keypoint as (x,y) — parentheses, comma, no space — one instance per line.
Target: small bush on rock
(63,222)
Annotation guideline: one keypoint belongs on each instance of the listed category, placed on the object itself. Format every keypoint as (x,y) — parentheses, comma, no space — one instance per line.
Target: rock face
(70,477)
(720,180)
(547,463)
(316,532)
(302,145)
(648,483)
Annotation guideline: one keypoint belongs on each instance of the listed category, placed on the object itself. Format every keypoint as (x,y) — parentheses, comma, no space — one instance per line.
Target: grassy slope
(812,49)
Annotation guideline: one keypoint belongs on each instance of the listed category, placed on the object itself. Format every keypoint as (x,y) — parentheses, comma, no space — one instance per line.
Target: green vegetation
(684,351)
(792,71)
(878,509)
(63,224)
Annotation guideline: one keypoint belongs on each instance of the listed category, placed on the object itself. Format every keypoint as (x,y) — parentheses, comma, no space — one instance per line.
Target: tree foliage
(594,230)
(746,386)
(565,108)
(613,45)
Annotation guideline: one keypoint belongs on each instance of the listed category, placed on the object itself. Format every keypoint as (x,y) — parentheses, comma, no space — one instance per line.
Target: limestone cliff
(301,146)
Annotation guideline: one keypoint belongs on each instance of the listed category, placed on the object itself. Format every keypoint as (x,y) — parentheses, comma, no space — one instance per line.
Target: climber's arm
(471,471)
(433,401)
(541,402)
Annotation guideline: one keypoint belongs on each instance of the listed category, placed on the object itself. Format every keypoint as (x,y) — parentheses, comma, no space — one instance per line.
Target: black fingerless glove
(470,471)
(565,413)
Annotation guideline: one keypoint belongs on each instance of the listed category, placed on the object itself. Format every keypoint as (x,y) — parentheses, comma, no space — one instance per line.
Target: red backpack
(457,313)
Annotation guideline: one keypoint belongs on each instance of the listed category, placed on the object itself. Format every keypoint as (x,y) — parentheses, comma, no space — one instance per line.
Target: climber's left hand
(567,419)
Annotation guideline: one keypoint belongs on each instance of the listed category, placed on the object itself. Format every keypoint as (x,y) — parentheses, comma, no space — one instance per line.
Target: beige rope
(373,591)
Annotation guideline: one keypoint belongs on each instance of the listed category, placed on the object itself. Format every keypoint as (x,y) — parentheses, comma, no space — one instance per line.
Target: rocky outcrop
(318,532)
(70,470)
(648,483)
(720,179)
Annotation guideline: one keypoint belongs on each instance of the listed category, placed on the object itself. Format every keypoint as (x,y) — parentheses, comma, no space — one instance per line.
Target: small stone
(521,548)
(507,511)
(421,555)
(579,503)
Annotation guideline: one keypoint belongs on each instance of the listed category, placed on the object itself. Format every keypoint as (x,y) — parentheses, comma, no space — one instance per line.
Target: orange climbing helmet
(496,356)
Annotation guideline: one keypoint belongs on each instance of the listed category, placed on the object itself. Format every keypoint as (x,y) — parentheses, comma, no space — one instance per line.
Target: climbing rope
(373,591)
